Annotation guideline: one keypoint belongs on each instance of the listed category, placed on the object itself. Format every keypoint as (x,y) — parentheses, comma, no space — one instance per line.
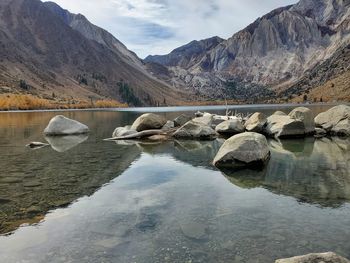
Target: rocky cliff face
(57,52)
(273,52)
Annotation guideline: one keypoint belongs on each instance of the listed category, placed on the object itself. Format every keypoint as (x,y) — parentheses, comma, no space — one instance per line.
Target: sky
(156,27)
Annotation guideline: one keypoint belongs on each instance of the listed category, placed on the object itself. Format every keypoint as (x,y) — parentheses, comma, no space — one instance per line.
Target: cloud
(159,26)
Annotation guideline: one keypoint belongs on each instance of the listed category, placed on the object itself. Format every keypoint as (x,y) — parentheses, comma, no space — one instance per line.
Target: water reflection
(313,171)
(164,201)
(65,143)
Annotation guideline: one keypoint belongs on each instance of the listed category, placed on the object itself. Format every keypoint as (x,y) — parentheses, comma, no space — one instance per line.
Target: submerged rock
(256,122)
(36,145)
(148,121)
(61,125)
(284,126)
(230,127)
(335,120)
(194,230)
(245,149)
(123,131)
(305,115)
(195,130)
(328,257)
(181,120)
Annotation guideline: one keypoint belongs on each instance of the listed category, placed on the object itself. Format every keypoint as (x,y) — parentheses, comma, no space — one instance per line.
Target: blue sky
(159,26)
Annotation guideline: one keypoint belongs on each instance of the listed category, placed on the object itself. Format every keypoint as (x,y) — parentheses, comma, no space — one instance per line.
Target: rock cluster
(248,145)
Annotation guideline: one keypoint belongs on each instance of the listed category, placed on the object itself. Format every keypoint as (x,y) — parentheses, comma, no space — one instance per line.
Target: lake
(86,200)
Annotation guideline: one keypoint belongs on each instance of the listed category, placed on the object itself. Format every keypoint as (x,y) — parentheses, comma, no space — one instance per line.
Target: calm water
(85,200)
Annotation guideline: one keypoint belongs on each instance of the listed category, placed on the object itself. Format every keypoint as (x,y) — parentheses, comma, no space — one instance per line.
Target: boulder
(123,131)
(199,114)
(148,121)
(319,133)
(329,119)
(230,127)
(279,113)
(305,115)
(61,125)
(328,257)
(206,119)
(245,149)
(256,122)
(342,128)
(181,120)
(195,130)
(279,126)
(168,126)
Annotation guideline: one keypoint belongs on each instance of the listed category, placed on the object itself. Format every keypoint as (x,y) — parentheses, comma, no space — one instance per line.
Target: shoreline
(179,108)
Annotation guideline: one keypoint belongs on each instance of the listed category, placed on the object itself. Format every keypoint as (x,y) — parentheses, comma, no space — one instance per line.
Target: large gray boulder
(181,120)
(305,115)
(123,131)
(335,120)
(61,125)
(195,130)
(280,126)
(206,119)
(328,257)
(245,149)
(230,127)
(148,121)
(256,122)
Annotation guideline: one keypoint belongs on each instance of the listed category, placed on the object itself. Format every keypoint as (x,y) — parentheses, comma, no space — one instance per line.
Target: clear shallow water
(105,202)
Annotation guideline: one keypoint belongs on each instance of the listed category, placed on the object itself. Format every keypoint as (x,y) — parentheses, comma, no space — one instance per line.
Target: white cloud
(159,26)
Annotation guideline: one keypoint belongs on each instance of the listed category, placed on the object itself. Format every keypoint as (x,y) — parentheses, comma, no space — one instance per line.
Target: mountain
(268,56)
(49,52)
(328,81)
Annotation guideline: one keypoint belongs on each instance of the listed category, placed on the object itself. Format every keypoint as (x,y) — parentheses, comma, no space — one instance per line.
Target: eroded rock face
(279,126)
(195,130)
(256,122)
(123,131)
(181,120)
(335,120)
(148,121)
(328,257)
(245,149)
(61,125)
(305,115)
(230,127)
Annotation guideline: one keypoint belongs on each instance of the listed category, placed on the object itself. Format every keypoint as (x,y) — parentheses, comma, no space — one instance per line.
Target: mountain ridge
(273,52)
(55,59)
